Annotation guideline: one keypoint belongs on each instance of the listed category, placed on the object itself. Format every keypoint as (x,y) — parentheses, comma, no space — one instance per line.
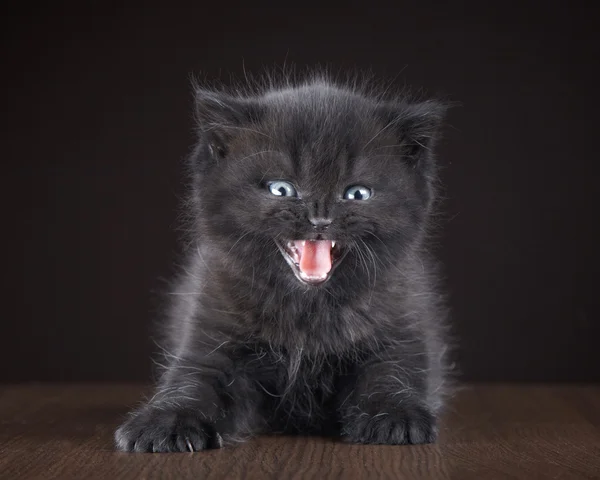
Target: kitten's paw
(411,426)
(154,430)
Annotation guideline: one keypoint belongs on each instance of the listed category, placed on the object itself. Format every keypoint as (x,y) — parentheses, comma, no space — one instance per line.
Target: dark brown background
(96,118)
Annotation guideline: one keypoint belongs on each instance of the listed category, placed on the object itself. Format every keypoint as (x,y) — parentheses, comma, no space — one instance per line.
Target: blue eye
(282,189)
(357,192)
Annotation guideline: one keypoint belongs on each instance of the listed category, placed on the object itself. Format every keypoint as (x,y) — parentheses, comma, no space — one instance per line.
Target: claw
(189,445)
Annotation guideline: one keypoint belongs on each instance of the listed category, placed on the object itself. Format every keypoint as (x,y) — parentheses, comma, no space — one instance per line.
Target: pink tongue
(315,258)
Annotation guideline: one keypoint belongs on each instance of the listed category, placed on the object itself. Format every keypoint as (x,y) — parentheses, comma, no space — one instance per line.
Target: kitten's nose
(319,222)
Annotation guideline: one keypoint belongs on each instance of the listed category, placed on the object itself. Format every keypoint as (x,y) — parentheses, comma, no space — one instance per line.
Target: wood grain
(489,432)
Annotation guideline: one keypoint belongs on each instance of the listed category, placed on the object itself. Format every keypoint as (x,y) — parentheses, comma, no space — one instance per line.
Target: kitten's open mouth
(312,261)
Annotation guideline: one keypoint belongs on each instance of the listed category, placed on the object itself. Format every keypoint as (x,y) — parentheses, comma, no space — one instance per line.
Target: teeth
(293,244)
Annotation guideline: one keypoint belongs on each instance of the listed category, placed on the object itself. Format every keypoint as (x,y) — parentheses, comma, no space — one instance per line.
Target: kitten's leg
(195,407)
(202,399)
(389,400)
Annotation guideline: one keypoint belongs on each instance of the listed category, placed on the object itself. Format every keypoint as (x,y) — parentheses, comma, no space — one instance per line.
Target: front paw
(166,430)
(408,426)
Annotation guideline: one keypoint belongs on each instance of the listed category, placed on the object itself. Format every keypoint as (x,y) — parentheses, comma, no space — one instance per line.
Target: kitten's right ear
(219,117)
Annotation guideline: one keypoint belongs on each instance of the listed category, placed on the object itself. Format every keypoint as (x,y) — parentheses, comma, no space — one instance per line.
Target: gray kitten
(308,303)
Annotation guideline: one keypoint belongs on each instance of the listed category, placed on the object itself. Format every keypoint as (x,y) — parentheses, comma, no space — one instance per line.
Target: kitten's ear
(219,117)
(417,127)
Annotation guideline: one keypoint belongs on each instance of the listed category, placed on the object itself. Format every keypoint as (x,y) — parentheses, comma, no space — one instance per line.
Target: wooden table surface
(499,431)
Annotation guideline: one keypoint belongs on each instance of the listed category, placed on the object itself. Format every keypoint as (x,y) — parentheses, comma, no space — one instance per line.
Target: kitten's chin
(312,261)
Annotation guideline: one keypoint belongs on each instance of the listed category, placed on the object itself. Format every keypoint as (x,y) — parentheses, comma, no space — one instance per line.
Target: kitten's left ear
(417,127)
(220,116)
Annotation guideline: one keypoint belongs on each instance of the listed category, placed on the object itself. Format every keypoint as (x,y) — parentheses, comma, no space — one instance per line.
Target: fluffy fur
(251,349)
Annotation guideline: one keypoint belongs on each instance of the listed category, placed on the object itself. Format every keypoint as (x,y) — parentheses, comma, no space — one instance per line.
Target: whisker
(221,125)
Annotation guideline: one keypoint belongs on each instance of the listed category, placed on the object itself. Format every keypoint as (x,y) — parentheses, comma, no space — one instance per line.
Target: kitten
(308,302)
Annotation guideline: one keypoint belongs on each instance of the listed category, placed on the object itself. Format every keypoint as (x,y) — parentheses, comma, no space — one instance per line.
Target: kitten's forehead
(322,127)
(328,106)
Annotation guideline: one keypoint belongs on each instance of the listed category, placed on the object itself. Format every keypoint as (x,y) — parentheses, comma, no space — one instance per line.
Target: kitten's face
(322,181)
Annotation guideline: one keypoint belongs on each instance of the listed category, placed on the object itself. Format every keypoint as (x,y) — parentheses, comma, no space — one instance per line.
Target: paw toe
(413,426)
(160,432)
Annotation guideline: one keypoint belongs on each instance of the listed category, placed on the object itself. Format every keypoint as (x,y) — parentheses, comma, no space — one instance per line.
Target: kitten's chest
(315,326)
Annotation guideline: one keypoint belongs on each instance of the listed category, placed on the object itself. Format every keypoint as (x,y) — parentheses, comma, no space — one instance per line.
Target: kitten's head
(314,183)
